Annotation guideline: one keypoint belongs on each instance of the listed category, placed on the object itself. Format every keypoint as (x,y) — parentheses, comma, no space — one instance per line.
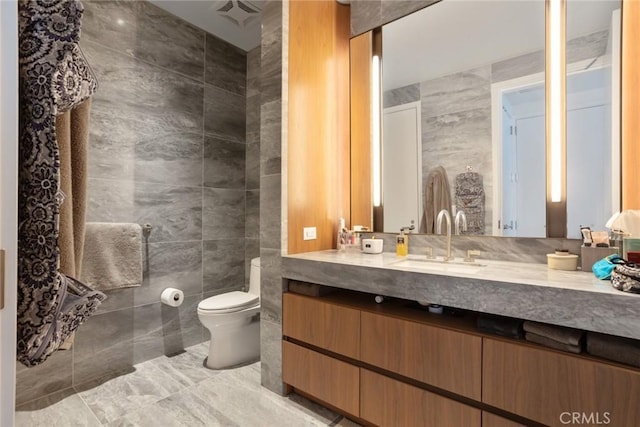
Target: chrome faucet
(445,214)
(460,217)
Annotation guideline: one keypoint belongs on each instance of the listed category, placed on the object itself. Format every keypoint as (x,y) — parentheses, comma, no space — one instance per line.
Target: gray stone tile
(223,214)
(271,52)
(110,200)
(457,92)
(365,15)
(251,250)
(457,132)
(401,95)
(587,47)
(518,66)
(113,398)
(271,285)
(104,346)
(271,138)
(394,9)
(147,32)
(254,58)
(225,65)
(174,212)
(224,114)
(186,368)
(173,264)
(134,147)
(133,87)
(253,118)
(52,376)
(271,211)
(252,175)
(271,356)
(164,330)
(224,163)
(252,227)
(223,264)
(61,409)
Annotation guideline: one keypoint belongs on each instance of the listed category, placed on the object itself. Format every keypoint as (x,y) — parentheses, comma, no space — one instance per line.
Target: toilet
(233,318)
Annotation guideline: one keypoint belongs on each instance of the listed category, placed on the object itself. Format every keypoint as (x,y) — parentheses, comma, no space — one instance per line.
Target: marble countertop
(524,290)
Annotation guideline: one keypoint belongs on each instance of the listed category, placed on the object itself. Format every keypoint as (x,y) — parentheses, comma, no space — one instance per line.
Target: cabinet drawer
(330,380)
(329,326)
(387,402)
(443,358)
(553,388)
(493,420)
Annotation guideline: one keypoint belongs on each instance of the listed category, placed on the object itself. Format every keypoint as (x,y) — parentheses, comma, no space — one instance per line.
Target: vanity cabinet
(385,401)
(551,387)
(394,364)
(444,358)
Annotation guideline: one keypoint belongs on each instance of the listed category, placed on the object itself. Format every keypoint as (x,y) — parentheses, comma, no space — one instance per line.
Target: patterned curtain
(54,78)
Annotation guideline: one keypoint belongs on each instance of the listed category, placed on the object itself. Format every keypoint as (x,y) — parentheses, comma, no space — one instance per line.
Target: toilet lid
(235,299)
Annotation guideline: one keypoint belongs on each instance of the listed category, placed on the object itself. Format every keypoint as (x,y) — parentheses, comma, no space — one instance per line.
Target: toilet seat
(228,302)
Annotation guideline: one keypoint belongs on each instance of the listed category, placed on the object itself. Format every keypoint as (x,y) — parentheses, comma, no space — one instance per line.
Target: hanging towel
(437,196)
(112,255)
(72,132)
(470,199)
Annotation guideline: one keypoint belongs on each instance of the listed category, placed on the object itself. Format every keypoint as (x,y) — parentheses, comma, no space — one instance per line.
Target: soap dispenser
(402,241)
(402,247)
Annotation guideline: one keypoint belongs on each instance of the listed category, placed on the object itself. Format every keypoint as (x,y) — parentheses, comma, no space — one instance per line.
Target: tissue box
(591,254)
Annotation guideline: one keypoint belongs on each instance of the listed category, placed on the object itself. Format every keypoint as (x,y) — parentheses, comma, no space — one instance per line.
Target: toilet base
(229,348)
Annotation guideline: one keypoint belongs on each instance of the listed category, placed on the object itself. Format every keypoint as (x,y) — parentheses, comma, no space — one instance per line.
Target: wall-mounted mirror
(463,110)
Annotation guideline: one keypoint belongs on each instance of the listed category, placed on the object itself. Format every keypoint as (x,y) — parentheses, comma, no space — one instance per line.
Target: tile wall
(175,143)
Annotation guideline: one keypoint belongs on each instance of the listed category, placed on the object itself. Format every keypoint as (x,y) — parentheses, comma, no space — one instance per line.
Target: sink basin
(439,266)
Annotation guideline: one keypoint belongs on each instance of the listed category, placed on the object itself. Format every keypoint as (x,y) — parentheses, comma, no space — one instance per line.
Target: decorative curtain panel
(54,78)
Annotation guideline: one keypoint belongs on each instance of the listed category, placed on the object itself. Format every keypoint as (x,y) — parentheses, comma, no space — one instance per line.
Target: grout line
(87,406)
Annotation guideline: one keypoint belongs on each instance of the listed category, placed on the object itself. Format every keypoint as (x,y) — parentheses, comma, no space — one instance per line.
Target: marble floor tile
(119,396)
(178,391)
(63,409)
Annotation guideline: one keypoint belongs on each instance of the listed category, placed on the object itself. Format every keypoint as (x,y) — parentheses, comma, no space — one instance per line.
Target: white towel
(112,255)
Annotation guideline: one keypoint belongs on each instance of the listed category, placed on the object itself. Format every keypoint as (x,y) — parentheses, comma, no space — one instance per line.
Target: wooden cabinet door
(441,357)
(388,402)
(330,380)
(558,389)
(325,325)
(493,420)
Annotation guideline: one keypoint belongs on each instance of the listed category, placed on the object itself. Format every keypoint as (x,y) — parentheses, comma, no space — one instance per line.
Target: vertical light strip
(375,130)
(556,80)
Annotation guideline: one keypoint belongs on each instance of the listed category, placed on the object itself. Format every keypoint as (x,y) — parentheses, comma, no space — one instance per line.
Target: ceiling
(457,35)
(236,21)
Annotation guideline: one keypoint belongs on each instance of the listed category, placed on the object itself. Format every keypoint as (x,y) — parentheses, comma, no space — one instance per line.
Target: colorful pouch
(602,269)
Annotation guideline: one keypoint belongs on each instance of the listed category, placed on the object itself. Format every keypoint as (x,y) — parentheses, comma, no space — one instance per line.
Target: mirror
(463,97)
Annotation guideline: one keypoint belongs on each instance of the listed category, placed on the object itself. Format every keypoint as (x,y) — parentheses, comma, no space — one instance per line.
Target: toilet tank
(254,277)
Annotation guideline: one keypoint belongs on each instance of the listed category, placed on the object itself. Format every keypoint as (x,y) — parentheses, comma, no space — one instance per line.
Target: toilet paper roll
(172,297)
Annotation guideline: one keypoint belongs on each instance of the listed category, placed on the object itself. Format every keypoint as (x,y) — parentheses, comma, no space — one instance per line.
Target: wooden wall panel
(630,104)
(542,385)
(318,127)
(361,186)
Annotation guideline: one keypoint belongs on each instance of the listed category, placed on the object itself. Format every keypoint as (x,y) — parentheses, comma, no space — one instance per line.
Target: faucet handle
(471,254)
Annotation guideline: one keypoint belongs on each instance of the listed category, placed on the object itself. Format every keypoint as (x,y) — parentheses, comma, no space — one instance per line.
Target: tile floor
(177,391)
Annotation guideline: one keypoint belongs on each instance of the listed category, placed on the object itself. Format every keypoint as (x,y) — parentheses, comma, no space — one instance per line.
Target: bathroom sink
(439,265)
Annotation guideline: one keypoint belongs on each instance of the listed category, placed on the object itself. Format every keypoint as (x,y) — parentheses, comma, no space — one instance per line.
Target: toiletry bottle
(402,244)
(341,238)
